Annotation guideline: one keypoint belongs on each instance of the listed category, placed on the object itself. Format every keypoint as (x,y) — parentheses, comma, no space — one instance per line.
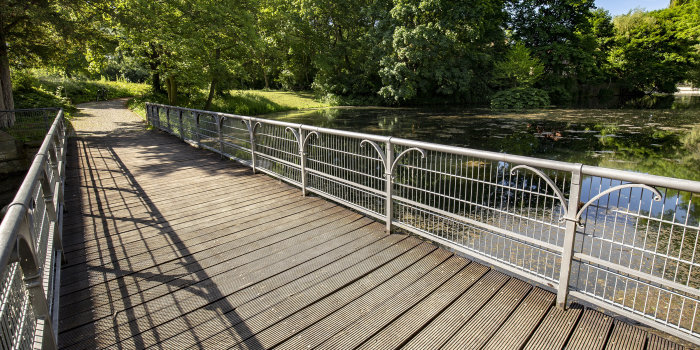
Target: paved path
(168,246)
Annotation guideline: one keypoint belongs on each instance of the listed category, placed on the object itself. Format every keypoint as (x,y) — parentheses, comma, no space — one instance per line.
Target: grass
(35,89)
(243,102)
(50,91)
(80,91)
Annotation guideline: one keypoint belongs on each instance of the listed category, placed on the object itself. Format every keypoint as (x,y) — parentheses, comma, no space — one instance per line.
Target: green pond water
(655,141)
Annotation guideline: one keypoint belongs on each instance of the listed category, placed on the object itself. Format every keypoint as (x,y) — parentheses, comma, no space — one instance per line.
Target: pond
(655,141)
(623,226)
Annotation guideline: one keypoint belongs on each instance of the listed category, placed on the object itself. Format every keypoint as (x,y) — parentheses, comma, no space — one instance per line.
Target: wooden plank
(591,332)
(290,325)
(522,323)
(248,244)
(657,343)
(371,306)
(172,234)
(145,315)
(301,292)
(164,254)
(555,329)
(182,273)
(477,331)
(626,337)
(407,324)
(165,233)
(357,286)
(141,231)
(444,326)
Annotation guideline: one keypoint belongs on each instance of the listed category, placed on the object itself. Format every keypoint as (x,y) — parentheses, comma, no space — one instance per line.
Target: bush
(23,81)
(520,98)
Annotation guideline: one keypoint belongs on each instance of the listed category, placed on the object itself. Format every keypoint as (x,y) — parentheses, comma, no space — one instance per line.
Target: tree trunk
(154,63)
(212,90)
(172,90)
(267,80)
(155,76)
(6,99)
(214,78)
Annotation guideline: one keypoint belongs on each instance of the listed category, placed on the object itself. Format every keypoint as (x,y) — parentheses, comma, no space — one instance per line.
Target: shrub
(520,98)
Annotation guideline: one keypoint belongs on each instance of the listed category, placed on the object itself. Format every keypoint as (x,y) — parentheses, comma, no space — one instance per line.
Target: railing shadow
(106,200)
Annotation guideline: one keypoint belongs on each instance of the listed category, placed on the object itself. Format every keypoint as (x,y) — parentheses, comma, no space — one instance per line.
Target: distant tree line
(395,51)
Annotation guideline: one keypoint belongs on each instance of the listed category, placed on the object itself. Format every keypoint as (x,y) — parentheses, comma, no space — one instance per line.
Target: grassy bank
(244,102)
(33,91)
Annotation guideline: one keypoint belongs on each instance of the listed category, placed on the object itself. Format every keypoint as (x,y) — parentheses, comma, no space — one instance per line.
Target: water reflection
(661,142)
(627,227)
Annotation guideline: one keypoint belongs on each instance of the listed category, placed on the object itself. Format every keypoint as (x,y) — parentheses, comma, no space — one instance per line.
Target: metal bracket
(657,198)
(300,142)
(576,217)
(549,182)
(389,169)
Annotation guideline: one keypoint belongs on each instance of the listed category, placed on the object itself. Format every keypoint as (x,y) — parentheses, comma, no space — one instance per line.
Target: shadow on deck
(170,247)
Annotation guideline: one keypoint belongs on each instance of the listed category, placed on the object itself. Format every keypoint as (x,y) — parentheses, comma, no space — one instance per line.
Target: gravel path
(106,118)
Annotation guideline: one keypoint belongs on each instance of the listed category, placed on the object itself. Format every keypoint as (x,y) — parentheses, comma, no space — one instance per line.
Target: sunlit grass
(242,102)
(290,99)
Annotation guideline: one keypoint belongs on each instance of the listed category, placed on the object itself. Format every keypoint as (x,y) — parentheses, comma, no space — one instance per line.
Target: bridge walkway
(170,247)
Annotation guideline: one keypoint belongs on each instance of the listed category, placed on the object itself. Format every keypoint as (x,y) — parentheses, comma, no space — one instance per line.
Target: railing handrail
(572,212)
(625,175)
(16,244)
(30,109)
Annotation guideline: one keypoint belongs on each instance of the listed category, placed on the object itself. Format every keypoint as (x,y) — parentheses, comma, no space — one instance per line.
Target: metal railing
(31,250)
(620,240)
(28,123)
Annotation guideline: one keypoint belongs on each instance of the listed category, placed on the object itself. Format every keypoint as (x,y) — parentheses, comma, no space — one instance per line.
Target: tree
(49,33)
(558,33)
(440,48)
(650,54)
(518,68)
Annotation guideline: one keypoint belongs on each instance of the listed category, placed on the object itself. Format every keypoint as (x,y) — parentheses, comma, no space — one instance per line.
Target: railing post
(251,134)
(33,280)
(388,162)
(46,120)
(149,115)
(182,129)
(160,125)
(167,119)
(569,237)
(219,121)
(197,137)
(302,160)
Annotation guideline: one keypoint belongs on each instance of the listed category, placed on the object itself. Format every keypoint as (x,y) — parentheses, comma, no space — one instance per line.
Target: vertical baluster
(569,237)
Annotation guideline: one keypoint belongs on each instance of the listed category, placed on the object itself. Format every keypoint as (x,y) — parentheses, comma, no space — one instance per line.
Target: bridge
(124,237)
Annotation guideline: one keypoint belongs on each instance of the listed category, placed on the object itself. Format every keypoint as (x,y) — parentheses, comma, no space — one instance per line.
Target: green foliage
(440,47)
(244,102)
(33,90)
(518,68)
(520,98)
(651,55)
(353,51)
(559,33)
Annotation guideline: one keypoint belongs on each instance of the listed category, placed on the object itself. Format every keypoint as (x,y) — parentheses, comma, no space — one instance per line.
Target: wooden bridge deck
(168,246)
